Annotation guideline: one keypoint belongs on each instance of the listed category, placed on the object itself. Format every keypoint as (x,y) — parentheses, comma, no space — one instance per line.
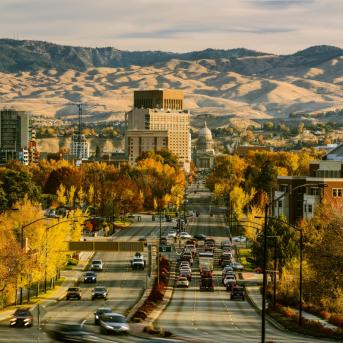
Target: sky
(276,26)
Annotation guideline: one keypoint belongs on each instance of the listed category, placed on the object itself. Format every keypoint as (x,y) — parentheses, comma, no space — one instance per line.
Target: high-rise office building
(80,147)
(15,135)
(159,121)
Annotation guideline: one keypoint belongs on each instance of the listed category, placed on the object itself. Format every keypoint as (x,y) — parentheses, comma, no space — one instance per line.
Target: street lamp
(265,229)
(22,248)
(46,245)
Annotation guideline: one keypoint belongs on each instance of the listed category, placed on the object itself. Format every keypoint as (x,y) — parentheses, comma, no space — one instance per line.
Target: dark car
(70,333)
(200,237)
(22,317)
(99,293)
(73,293)
(237,292)
(89,277)
(237,266)
(99,312)
(163,241)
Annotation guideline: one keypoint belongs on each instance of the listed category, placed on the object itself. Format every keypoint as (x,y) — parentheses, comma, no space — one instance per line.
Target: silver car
(97,265)
(114,323)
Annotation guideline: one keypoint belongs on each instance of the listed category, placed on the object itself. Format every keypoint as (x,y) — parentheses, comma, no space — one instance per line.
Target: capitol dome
(204,150)
(205,133)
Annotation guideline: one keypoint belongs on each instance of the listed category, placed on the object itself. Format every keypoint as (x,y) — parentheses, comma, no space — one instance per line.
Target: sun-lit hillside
(246,86)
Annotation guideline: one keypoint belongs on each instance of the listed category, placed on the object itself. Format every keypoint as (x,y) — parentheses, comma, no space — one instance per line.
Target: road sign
(106,246)
(165,248)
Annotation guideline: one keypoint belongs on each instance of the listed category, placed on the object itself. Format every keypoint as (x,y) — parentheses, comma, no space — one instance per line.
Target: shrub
(72,262)
(337,320)
(325,315)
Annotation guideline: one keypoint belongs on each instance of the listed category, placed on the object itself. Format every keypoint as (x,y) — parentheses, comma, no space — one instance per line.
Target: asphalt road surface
(211,316)
(193,316)
(124,285)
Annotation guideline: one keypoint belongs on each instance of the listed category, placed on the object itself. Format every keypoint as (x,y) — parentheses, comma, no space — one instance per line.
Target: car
(89,276)
(73,293)
(237,292)
(225,243)
(97,265)
(99,292)
(138,261)
(163,241)
(185,235)
(226,269)
(172,234)
(200,237)
(239,239)
(185,270)
(100,311)
(191,248)
(187,257)
(69,333)
(237,266)
(186,273)
(113,323)
(182,281)
(229,280)
(228,274)
(22,317)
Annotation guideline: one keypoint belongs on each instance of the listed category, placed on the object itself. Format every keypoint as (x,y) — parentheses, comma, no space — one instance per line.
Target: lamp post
(265,253)
(301,253)
(46,245)
(22,248)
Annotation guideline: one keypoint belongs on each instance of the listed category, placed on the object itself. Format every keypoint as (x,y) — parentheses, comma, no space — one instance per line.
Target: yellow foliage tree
(240,200)
(61,197)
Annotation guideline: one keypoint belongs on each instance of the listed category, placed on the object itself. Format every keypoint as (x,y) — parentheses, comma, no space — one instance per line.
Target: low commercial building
(325,182)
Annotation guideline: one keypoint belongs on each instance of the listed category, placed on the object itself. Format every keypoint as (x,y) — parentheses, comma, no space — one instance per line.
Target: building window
(309,208)
(337,192)
(314,191)
(284,188)
(280,203)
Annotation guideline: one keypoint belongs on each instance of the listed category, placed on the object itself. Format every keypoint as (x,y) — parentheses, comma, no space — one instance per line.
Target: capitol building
(203,153)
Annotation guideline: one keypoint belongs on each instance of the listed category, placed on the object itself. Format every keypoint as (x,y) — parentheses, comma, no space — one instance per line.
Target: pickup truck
(138,262)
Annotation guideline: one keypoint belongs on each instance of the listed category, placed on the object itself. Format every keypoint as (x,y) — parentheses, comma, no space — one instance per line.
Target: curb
(271,320)
(153,316)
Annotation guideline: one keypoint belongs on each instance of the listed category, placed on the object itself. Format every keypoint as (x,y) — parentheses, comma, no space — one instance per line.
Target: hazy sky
(279,26)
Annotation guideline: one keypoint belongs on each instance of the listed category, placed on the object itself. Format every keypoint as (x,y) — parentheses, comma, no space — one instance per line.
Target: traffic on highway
(208,300)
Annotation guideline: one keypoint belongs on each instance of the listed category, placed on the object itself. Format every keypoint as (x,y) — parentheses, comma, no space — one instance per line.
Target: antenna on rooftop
(79,132)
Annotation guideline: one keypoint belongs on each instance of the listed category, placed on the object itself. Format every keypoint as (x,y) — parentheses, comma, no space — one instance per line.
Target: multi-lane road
(207,316)
(192,316)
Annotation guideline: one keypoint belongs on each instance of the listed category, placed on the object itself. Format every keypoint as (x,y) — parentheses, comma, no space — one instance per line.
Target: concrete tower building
(159,121)
(15,135)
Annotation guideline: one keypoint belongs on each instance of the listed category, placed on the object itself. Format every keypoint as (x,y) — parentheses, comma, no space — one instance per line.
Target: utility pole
(79,132)
(264,286)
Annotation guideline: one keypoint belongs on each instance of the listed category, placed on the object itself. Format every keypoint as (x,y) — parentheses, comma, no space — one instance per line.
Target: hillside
(47,79)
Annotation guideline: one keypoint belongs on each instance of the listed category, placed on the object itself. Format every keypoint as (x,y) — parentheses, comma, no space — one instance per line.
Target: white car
(184,267)
(185,235)
(239,239)
(184,264)
(171,234)
(229,279)
(97,265)
(182,282)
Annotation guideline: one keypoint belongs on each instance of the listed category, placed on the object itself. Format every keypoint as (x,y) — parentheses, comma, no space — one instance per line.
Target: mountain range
(48,79)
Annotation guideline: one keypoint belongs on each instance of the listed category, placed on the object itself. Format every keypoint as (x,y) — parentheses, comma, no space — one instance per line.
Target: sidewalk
(255,297)
(70,278)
